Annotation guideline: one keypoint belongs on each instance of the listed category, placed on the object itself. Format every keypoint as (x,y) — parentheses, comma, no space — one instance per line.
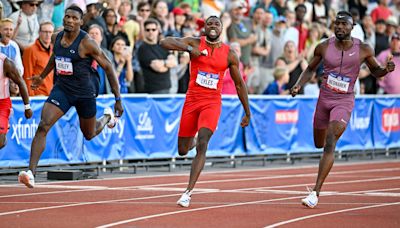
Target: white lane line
(242,171)
(85,203)
(190,210)
(204,208)
(330,213)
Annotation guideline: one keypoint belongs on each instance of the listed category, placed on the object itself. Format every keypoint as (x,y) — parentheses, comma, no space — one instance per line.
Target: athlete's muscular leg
(335,130)
(92,127)
(319,137)
(2,140)
(50,115)
(185,144)
(198,162)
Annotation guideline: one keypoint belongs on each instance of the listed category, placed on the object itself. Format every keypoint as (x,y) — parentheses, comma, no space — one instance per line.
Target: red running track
(356,195)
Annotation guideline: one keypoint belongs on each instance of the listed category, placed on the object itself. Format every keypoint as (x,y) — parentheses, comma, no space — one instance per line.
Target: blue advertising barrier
(149,128)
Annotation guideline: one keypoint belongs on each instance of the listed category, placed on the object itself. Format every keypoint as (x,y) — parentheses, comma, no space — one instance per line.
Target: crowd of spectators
(275,39)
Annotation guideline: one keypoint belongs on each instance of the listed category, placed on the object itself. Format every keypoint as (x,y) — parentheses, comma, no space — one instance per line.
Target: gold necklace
(213,42)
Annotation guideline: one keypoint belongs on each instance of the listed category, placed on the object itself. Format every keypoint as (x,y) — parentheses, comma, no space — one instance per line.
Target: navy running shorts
(85,107)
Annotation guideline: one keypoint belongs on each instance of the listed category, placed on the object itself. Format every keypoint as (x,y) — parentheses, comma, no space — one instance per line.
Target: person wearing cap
(342,56)
(92,16)
(209,59)
(241,31)
(391,83)
(26,23)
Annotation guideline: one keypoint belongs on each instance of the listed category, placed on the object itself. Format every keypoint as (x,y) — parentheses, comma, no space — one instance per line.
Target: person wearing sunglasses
(26,22)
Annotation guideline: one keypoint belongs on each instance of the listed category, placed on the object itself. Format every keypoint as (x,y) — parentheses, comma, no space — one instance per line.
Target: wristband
(27,106)
(118,99)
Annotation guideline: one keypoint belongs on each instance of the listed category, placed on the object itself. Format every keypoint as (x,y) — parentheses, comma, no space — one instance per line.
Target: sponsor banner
(386,122)
(358,133)
(150,124)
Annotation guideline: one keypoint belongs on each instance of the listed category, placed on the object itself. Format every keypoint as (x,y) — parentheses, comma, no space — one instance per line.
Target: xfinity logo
(286,116)
(23,131)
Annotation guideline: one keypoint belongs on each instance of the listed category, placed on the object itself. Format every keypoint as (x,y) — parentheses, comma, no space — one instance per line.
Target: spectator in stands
(35,59)
(26,23)
(241,31)
(92,16)
(263,49)
(113,29)
(226,21)
(143,13)
(122,59)
(96,33)
(267,6)
(382,11)
(8,46)
(381,38)
(390,84)
(229,85)
(123,10)
(320,12)
(161,14)
(292,5)
(129,26)
(301,26)
(179,18)
(293,62)
(279,85)
(58,13)
(155,61)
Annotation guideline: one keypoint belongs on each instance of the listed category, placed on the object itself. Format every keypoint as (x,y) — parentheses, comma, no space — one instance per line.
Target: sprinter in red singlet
(9,71)
(209,60)
(342,56)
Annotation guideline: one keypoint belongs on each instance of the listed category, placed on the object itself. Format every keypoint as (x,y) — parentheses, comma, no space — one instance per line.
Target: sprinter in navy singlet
(76,84)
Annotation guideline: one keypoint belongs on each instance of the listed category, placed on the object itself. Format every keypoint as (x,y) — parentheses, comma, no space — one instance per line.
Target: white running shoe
(184,201)
(113,120)
(311,200)
(26,178)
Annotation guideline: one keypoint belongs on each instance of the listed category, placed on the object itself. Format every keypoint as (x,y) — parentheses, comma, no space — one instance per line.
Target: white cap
(89,2)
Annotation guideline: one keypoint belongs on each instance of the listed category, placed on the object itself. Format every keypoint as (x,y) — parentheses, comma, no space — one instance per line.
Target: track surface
(354,195)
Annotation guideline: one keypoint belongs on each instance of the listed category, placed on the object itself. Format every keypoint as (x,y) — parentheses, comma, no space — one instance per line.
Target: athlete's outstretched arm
(309,72)
(376,69)
(11,71)
(97,54)
(241,88)
(188,44)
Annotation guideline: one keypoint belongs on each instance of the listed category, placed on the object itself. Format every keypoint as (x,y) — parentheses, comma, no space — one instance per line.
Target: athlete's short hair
(76,9)
(214,17)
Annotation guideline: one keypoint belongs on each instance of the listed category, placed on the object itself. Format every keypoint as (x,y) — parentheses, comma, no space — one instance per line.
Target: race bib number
(64,66)
(338,82)
(208,80)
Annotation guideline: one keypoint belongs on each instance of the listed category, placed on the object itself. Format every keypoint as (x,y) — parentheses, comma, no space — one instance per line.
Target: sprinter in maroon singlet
(342,56)
(209,60)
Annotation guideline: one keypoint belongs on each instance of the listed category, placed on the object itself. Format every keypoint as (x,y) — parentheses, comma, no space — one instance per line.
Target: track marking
(329,213)
(206,172)
(206,208)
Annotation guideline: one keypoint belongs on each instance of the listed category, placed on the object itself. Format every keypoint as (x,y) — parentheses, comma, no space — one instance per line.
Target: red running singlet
(202,106)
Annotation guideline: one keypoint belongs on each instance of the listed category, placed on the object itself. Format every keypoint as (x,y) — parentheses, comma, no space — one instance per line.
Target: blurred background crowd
(274,39)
